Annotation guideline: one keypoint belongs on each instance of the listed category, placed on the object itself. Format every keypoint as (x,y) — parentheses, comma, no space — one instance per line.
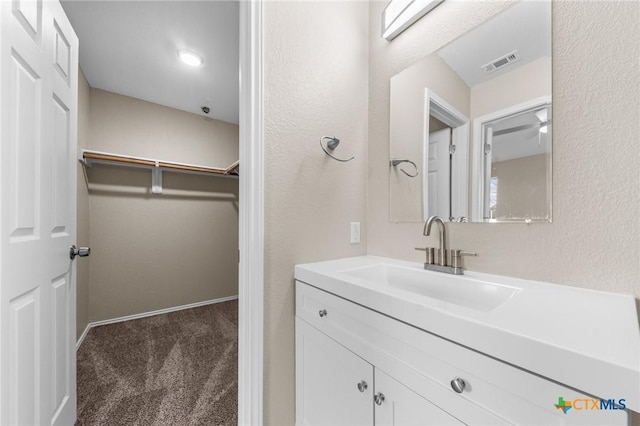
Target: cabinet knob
(458,384)
(322,313)
(362,386)
(379,398)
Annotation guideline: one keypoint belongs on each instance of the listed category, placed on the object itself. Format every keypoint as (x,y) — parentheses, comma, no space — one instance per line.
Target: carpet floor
(179,368)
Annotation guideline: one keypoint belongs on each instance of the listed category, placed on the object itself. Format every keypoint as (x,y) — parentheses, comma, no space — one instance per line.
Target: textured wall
(593,241)
(82,239)
(407,113)
(315,74)
(151,252)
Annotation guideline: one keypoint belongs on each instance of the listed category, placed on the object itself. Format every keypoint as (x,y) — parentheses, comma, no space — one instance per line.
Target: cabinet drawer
(495,392)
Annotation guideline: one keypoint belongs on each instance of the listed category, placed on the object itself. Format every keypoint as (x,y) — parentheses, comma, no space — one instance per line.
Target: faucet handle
(430,253)
(456,252)
(456,257)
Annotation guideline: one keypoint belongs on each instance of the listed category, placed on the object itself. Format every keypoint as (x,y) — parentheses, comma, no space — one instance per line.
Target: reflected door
(38,118)
(438,194)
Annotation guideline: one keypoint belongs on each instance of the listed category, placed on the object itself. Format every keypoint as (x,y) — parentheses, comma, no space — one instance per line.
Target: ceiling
(525,27)
(130,48)
(522,143)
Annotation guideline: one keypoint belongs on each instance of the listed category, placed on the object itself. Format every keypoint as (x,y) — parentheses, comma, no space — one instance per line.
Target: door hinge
(452,149)
(487,148)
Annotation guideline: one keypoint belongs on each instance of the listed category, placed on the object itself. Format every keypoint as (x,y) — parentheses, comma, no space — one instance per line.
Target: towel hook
(332,143)
(395,161)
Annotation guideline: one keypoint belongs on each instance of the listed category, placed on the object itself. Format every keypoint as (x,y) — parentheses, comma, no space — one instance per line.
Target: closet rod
(116,158)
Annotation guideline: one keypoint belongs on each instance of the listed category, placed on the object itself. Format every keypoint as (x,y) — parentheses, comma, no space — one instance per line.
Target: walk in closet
(158,206)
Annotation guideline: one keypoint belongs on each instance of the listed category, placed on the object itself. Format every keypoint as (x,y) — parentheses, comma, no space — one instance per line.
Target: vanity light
(190,58)
(401,14)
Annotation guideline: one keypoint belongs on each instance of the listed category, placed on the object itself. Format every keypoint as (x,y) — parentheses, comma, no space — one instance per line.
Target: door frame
(459,123)
(251,218)
(477,155)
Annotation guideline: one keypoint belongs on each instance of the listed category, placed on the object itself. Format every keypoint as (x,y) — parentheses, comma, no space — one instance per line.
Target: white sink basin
(551,330)
(468,292)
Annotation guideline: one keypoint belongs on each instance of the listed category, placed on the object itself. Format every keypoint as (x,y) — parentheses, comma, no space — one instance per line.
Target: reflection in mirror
(517,164)
(442,107)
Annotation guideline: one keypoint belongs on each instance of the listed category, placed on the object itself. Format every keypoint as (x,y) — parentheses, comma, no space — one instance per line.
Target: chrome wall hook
(332,143)
(395,161)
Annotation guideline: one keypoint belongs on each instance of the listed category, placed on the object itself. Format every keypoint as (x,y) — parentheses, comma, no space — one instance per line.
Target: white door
(438,165)
(38,116)
(334,386)
(402,406)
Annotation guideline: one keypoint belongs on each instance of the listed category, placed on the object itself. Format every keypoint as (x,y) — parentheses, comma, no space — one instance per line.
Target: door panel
(62,53)
(28,14)
(38,119)
(61,355)
(327,377)
(61,165)
(24,360)
(24,149)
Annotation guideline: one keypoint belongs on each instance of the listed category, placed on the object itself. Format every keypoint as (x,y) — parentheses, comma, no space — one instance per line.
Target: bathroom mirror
(470,125)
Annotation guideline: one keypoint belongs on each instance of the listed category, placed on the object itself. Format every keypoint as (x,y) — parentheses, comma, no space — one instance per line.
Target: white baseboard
(83,335)
(150,314)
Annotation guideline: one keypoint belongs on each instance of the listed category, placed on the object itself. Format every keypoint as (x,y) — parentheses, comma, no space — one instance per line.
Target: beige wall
(435,124)
(522,187)
(156,251)
(83,237)
(407,114)
(530,81)
(593,241)
(315,74)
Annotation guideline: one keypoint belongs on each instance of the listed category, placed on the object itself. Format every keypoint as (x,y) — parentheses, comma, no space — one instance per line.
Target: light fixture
(190,58)
(542,115)
(401,14)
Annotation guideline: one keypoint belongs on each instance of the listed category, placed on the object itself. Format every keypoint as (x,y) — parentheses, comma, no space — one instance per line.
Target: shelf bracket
(156,179)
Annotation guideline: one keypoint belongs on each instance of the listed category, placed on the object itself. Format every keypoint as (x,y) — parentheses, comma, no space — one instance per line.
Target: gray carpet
(179,368)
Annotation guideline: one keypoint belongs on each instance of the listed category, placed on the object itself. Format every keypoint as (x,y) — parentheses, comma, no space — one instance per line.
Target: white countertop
(586,339)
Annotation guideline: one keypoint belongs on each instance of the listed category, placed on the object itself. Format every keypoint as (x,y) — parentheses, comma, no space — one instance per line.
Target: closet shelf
(89,157)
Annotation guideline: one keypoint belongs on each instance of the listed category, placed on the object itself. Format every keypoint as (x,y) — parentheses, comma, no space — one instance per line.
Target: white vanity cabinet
(341,344)
(402,406)
(337,387)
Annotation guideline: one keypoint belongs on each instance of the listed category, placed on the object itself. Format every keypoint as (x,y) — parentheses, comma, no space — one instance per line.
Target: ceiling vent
(503,61)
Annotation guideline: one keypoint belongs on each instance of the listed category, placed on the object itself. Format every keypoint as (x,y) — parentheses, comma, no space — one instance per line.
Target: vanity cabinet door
(396,404)
(334,386)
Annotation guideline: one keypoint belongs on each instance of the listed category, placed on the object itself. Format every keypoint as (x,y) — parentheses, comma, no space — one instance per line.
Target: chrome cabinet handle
(379,398)
(458,385)
(75,251)
(362,386)
(322,313)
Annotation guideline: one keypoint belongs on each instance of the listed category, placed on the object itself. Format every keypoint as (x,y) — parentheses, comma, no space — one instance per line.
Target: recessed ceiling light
(190,58)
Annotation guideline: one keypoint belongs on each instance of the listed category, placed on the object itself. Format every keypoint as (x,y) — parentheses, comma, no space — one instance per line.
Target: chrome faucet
(442,235)
(437,260)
